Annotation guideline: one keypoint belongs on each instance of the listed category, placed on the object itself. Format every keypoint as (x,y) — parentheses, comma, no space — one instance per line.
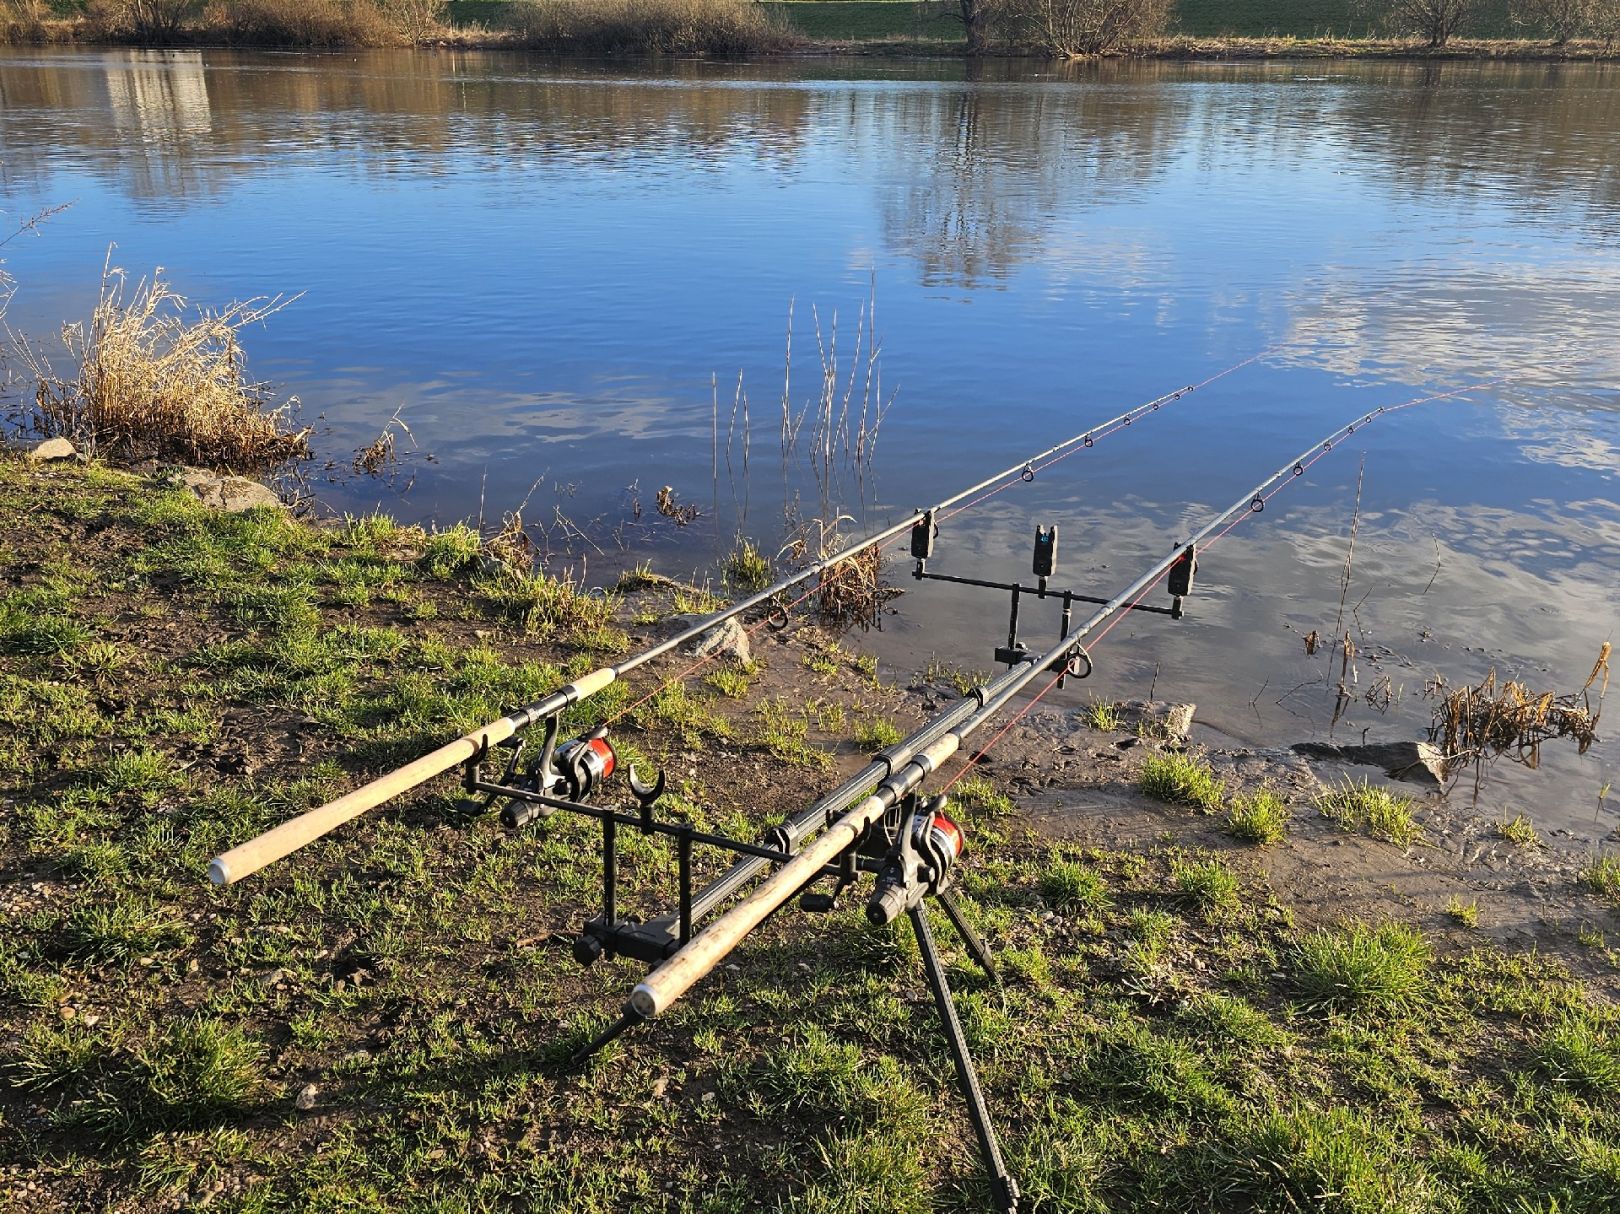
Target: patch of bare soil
(1073,782)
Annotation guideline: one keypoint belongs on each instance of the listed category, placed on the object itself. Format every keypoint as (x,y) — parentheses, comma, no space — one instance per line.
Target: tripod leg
(970,938)
(1003,1188)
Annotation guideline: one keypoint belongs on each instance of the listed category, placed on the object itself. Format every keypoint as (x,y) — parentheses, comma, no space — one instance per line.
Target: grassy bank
(381,1021)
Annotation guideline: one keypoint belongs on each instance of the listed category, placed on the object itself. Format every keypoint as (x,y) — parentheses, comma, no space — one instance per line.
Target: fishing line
(1051,456)
(1090,438)
(1256,506)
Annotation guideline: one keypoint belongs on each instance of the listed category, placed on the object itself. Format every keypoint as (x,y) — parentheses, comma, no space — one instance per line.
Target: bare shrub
(1436,21)
(145,21)
(1090,27)
(1565,20)
(313,23)
(1560,20)
(1603,21)
(619,27)
(415,20)
(154,380)
(23,21)
(850,594)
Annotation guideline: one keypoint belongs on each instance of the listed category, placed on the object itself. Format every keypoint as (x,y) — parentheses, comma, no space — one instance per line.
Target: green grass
(732,682)
(1371,809)
(1582,1053)
(783,731)
(1359,967)
(1181,780)
(685,716)
(189,1073)
(1260,817)
(746,568)
(1315,18)
(454,552)
(1602,877)
(822,661)
(543,606)
(1519,831)
(870,20)
(1464,914)
(877,733)
(982,797)
(38,623)
(1068,885)
(1101,716)
(1161,1037)
(957,678)
(697,600)
(1209,887)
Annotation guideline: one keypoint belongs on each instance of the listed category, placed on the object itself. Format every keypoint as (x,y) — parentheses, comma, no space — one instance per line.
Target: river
(557,276)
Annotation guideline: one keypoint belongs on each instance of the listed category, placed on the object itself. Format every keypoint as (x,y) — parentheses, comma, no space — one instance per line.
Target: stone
(1414,762)
(307,1095)
(725,640)
(1157,718)
(231,494)
(48,450)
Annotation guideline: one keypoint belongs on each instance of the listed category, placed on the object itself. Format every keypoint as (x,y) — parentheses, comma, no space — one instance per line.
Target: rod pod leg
(1003,1188)
(629,1020)
(970,939)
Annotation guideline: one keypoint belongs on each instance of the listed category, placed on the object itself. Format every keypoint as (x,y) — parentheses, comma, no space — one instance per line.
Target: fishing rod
(280,841)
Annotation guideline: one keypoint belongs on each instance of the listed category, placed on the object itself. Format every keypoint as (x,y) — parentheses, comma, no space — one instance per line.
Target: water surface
(556,274)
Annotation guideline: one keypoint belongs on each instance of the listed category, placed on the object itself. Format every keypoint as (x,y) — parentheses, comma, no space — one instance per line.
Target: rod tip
(219,872)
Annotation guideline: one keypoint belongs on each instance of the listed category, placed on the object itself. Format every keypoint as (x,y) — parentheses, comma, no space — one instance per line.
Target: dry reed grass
(156,380)
(1481,723)
(512,546)
(320,23)
(25,21)
(852,592)
(725,28)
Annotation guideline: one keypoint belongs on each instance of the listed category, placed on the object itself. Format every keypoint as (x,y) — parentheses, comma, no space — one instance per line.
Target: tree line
(1100,27)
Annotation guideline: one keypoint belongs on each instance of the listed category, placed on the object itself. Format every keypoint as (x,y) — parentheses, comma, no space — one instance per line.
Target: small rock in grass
(729,639)
(47,451)
(231,494)
(307,1095)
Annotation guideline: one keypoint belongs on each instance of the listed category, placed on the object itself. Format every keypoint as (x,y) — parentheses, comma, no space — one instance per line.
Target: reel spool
(919,866)
(583,764)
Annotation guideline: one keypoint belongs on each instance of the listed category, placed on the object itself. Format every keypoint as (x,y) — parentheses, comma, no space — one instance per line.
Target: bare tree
(1436,20)
(143,20)
(1603,21)
(1560,20)
(977,18)
(1090,27)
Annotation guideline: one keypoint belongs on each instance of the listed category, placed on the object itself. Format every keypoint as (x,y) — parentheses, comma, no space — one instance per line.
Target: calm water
(545,267)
